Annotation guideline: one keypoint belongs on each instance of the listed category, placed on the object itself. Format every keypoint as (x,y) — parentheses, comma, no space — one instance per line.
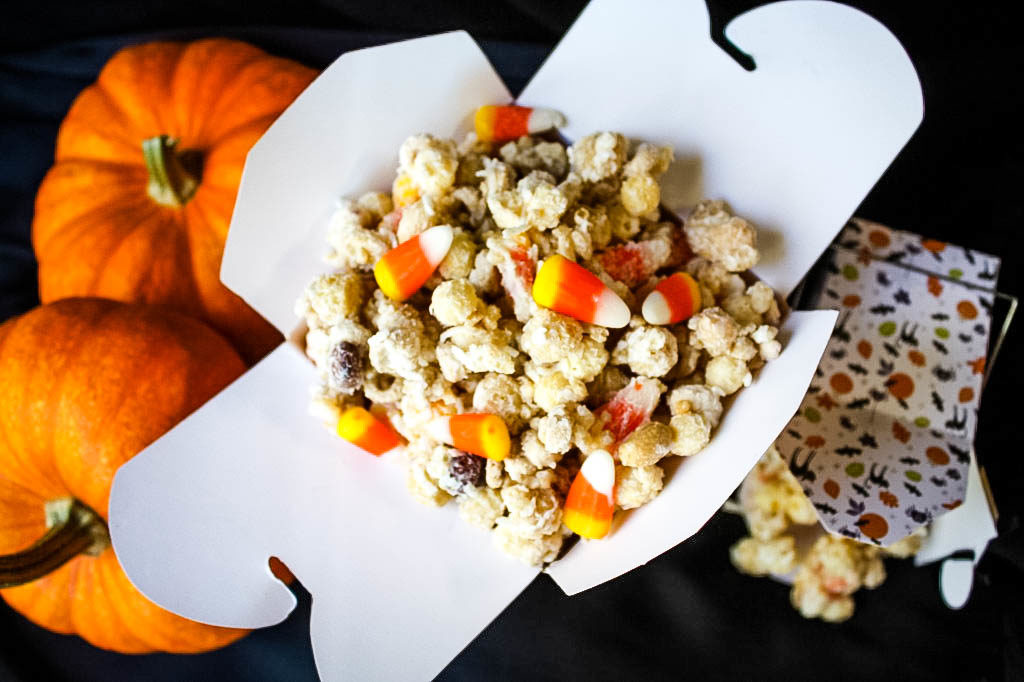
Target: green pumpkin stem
(173,179)
(74,529)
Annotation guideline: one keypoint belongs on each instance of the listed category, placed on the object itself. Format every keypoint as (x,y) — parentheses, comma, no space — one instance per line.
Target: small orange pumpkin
(148,162)
(85,384)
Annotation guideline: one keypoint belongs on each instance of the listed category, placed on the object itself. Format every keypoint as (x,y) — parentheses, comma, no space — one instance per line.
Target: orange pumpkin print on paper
(879,239)
(966,394)
(815,441)
(977,366)
(831,488)
(937,456)
(851,301)
(873,526)
(934,287)
(967,310)
(841,383)
(933,245)
(917,358)
(900,432)
(865,349)
(900,386)
(888,499)
(952,505)
(825,400)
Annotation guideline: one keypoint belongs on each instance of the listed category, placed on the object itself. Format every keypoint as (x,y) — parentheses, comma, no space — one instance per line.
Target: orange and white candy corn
(362,429)
(572,290)
(676,298)
(480,434)
(503,123)
(404,269)
(589,506)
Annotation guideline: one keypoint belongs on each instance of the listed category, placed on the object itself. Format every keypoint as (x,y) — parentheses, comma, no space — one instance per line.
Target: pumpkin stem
(173,175)
(74,529)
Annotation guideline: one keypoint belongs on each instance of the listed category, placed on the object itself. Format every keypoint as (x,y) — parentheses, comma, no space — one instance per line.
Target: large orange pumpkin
(85,384)
(148,163)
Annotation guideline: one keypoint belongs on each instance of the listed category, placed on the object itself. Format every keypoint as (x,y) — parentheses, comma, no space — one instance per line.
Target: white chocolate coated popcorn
(473,339)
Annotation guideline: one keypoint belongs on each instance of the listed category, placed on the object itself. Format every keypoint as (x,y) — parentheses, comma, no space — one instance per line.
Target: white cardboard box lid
(795,145)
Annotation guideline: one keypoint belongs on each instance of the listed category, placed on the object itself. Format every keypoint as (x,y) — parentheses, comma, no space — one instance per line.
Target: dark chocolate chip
(467,469)
(345,367)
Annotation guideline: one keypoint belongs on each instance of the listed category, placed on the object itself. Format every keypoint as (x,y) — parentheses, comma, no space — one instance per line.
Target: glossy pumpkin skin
(85,384)
(97,232)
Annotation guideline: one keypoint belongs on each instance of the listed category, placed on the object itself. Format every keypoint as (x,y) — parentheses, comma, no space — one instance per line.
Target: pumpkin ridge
(118,132)
(186,271)
(120,239)
(132,76)
(66,410)
(241,84)
(24,463)
(29,599)
(154,212)
(201,117)
(65,233)
(263,123)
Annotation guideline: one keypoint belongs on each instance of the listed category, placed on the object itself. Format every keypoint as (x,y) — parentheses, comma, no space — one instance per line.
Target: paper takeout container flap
(400,590)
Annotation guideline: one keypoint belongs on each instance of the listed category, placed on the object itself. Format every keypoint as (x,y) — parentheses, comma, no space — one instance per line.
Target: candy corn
(589,506)
(362,429)
(571,289)
(404,269)
(480,434)
(675,299)
(504,123)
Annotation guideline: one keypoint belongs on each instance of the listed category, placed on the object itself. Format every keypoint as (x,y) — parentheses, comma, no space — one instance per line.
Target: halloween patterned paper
(881,443)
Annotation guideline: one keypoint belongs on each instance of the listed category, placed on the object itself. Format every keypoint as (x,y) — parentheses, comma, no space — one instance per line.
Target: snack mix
(520,317)
(831,570)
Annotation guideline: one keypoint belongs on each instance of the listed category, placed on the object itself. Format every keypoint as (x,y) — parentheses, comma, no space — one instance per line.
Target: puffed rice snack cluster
(472,339)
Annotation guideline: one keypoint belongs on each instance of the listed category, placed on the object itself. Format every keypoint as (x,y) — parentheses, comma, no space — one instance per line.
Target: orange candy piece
(404,269)
(363,430)
(503,123)
(674,299)
(479,434)
(572,290)
(590,503)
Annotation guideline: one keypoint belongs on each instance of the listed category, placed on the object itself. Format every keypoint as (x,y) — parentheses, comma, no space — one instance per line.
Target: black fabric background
(687,614)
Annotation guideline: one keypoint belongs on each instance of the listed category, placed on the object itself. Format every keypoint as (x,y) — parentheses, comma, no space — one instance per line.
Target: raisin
(467,469)
(345,368)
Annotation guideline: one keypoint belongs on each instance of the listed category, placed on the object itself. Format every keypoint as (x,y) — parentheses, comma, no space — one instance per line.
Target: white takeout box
(399,589)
